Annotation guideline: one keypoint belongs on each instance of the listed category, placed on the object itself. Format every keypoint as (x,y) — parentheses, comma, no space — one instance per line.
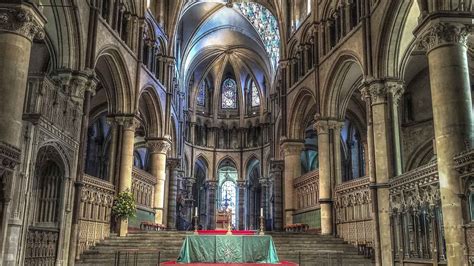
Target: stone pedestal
(292,152)
(325,188)
(128,125)
(453,125)
(158,149)
(173,165)
(19,24)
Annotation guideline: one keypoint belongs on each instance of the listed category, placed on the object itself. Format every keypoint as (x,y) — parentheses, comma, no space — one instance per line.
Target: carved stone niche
(9,159)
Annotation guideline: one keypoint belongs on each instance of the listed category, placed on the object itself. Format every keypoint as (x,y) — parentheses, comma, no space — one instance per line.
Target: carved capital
(242,184)
(9,159)
(322,126)
(23,21)
(277,166)
(173,163)
(211,185)
(161,145)
(292,147)
(442,33)
(396,90)
(129,122)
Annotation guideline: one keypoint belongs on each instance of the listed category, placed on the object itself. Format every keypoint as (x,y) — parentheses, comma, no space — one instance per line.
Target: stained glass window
(228,197)
(201,95)
(266,25)
(229,94)
(255,96)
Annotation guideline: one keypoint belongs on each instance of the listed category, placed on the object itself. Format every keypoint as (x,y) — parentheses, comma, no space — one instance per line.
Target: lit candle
(261,212)
(196,211)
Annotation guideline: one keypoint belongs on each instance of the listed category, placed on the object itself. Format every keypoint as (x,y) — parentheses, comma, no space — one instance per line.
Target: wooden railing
(96,207)
(416,218)
(307,190)
(352,202)
(143,185)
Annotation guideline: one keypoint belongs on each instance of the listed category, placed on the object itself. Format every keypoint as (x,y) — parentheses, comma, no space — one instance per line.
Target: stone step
(308,249)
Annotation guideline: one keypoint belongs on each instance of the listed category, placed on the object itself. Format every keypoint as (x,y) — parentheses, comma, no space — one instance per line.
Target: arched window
(352,149)
(228,191)
(255,95)
(201,95)
(229,94)
(98,144)
(265,24)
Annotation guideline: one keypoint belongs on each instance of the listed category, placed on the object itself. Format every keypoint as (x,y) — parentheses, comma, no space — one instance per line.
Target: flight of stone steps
(303,248)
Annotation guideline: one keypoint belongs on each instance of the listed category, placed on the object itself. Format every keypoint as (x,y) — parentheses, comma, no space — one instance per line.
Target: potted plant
(124,207)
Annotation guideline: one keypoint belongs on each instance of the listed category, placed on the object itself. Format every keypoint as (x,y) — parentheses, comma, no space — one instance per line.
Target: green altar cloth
(228,249)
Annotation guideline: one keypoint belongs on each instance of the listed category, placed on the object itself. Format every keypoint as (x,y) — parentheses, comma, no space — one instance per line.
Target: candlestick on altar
(261,226)
(196,221)
(229,221)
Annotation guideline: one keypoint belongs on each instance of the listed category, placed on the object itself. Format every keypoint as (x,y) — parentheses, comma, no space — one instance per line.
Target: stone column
(211,205)
(158,149)
(276,173)
(173,165)
(128,125)
(19,24)
(336,136)
(292,152)
(376,93)
(241,218)
(325,193)
(396,90)
(452,118)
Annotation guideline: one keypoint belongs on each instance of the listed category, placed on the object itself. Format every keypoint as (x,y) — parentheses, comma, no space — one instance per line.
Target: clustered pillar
(158,150)
(446,44)
(292,151)
(128,125)
(173,165)
(325,198)
(19,25)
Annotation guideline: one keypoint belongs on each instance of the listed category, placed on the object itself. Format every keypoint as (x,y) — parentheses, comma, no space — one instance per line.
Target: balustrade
(41,247)
(352,202)
(143,184)
(96,207)
(416,216)
(306,188)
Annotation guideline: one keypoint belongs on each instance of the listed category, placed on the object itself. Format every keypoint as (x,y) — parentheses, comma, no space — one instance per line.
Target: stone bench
(149,226)
(296,228)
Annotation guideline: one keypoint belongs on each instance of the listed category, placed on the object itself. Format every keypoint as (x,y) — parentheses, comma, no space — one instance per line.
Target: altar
(228,249)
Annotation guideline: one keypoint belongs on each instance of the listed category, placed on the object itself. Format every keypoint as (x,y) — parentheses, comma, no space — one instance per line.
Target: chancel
(309,132)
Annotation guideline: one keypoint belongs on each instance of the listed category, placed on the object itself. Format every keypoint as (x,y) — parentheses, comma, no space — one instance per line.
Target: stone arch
(118,85)
(149,109)
(250,163)
(341,83)
(396,36)
(422,155)
(304,106)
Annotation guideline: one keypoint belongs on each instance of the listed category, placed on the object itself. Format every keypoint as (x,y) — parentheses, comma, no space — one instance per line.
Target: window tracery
(201,95)
(255,95)
(265,24)
(229,94)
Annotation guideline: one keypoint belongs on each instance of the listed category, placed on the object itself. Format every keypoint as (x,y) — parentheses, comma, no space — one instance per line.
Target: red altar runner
(228,264)
(223,232)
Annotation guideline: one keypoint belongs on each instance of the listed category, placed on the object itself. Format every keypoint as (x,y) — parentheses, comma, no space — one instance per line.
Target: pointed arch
(345,75)
(304,108)
(149,109)
(111,67)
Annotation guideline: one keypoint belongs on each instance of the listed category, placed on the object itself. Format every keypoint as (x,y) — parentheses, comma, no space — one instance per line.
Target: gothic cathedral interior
(345,118)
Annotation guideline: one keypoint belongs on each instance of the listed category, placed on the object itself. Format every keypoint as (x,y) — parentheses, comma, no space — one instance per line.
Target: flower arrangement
(124,205)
